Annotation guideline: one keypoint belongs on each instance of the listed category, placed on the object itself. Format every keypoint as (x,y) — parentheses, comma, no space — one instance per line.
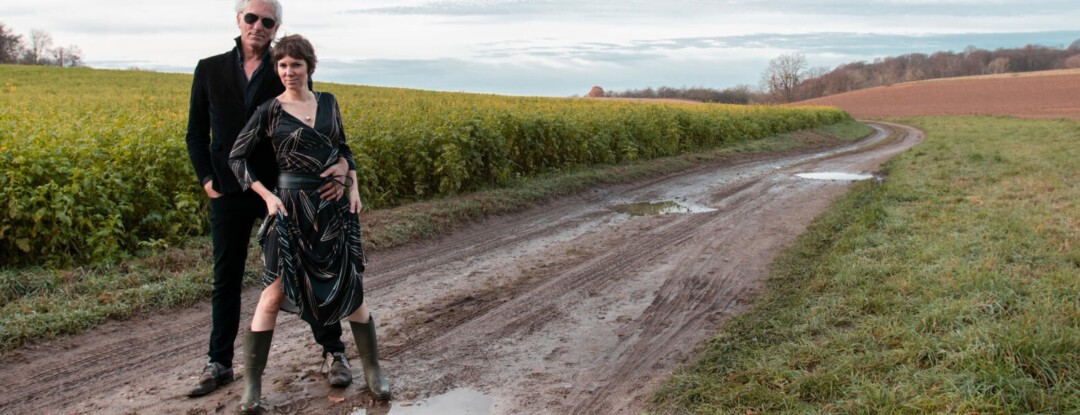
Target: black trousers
(232,217)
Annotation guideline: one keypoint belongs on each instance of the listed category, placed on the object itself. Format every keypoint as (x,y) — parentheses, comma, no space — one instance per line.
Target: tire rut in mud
(462,325)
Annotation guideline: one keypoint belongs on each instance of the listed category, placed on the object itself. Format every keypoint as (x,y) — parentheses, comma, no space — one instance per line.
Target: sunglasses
(267,22)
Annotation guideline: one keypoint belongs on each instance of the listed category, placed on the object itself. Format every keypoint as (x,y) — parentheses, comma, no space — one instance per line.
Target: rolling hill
(1043,95)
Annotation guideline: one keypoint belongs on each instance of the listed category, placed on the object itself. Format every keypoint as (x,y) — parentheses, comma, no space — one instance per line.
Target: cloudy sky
(550,47)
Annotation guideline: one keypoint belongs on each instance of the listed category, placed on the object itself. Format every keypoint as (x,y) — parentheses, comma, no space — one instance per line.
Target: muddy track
(569,307)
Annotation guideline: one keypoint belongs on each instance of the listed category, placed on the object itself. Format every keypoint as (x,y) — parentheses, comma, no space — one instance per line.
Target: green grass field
(952,287)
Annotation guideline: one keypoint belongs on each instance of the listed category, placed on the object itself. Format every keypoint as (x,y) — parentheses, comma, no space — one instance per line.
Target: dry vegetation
(1041,95)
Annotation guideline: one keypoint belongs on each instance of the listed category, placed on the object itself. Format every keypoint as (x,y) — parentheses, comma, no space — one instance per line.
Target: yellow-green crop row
(93,164)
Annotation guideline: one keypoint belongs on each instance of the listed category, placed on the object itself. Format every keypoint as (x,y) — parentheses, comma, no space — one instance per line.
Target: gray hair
(241,4)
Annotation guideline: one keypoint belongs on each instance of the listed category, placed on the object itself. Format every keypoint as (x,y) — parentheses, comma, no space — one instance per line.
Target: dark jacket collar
(239,50)
(264,73)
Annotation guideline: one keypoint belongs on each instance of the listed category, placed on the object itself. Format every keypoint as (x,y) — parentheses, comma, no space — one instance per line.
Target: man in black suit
(224,93)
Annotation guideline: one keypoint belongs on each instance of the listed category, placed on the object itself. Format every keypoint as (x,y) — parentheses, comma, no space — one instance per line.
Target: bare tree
(812,83)
(998,65)
(40,41)
(69,56)
(58,56)
(1072,62)
(74,55)
(10,45)
(783,76)
(739,94)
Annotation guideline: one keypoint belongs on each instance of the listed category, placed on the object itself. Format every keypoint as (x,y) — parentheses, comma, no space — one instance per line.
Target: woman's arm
(254,132)
(329,191)
(249,137)
(355,206)
(273,203)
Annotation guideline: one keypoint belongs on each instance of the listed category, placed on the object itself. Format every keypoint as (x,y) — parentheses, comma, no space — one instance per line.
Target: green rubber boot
(364,334)
(256,348)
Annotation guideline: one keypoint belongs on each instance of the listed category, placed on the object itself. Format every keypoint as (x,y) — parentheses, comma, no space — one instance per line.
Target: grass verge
(952,287)
(40,303)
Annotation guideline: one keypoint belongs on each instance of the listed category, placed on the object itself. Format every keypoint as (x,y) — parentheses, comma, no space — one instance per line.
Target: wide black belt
(299,181)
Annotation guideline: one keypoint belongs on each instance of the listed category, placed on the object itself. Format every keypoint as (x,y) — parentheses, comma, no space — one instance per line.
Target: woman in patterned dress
(311,247)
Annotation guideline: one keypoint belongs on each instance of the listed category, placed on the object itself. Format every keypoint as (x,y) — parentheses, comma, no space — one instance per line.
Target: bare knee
(361,315)
(271,298)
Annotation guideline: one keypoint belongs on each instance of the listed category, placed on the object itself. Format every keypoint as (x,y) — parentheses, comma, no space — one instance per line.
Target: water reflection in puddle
(659,208)
(457,401)
(835,176)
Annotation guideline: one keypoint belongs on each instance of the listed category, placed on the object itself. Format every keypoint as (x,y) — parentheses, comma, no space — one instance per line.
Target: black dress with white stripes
(316,249)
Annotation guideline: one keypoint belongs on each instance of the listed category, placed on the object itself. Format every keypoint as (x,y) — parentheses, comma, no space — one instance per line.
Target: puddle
(659,208)
(835,176)
(457,401)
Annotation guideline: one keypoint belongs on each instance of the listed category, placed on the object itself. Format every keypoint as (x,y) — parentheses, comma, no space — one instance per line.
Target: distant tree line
(36,50)
(789,78)
(742,94)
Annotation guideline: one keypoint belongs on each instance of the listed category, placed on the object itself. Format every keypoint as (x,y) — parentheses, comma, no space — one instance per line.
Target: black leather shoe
(213,375)
(339,373)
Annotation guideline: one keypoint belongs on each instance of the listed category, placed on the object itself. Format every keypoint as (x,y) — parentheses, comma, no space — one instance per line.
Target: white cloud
(550,46)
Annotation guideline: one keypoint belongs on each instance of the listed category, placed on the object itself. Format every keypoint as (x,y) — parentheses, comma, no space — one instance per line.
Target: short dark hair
(296,47)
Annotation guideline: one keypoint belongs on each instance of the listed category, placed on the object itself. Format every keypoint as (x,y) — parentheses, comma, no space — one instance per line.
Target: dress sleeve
(343,143)
(256,130)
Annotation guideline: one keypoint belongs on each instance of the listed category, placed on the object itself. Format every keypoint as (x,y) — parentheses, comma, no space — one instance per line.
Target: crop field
(93,165)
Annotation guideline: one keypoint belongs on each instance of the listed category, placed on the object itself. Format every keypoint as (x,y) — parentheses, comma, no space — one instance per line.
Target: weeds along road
(567,308)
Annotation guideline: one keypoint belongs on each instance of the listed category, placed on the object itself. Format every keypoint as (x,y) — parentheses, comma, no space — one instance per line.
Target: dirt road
(568,308)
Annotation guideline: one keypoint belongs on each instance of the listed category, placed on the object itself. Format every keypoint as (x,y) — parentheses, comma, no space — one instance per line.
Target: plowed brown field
(1049,94)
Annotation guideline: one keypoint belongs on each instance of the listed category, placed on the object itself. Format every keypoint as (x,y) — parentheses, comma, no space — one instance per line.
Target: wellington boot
(364,334)
(256,349)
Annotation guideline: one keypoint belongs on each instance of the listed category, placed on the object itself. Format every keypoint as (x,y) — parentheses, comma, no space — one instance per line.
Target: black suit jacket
(221,105)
